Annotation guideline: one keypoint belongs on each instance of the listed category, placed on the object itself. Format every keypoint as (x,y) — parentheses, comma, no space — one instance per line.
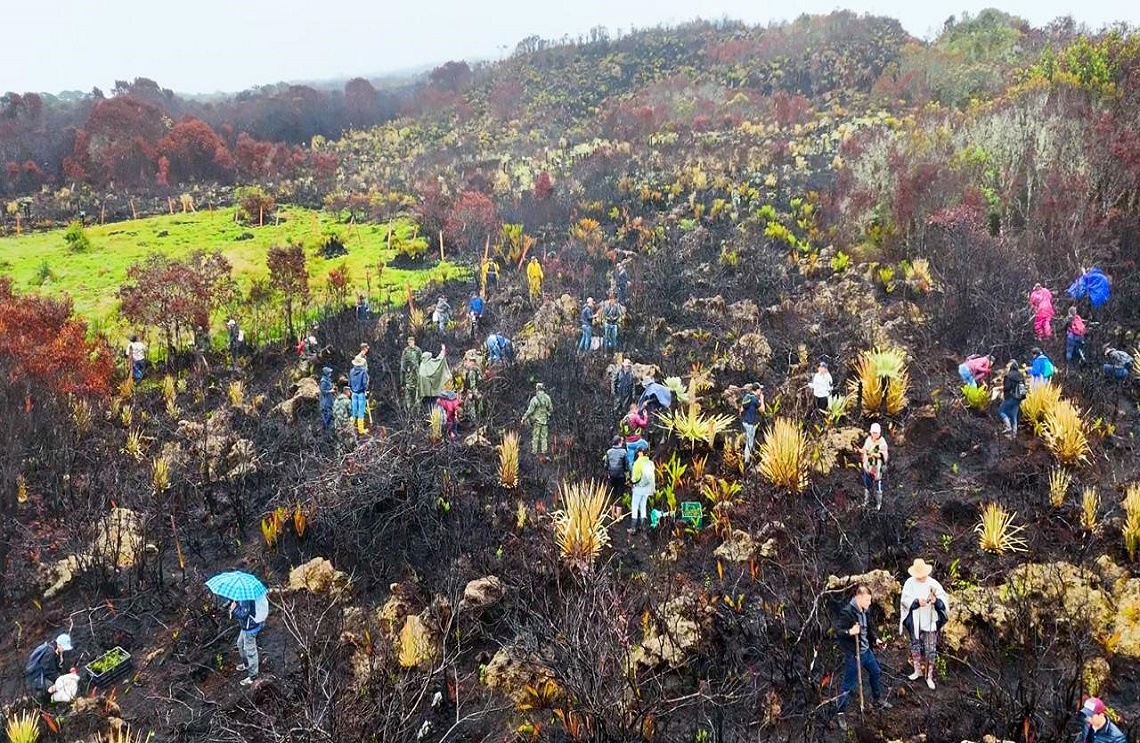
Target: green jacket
(539,409)
(410,362)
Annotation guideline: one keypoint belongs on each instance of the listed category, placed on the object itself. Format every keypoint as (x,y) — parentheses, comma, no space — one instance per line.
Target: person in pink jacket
(1041,300)
(975,368)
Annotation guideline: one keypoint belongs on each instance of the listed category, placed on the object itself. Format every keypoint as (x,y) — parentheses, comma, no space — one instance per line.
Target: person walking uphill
(1041,369)
(1013,391)
(328,389)
(538,414)
(1074,336)
(1095,725)
(611,315)
(923,606)
(45,663)
(632,428)
(621,387)
(250,616)
(750,405)
(236,338)
(136,354)
(644,480)
(974,369)
(358,381)
(617,467)
(857,640)
(875,455)
(410,371)
(1041,300)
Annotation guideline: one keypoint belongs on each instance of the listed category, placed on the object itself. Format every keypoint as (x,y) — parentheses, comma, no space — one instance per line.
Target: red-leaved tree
(471,220)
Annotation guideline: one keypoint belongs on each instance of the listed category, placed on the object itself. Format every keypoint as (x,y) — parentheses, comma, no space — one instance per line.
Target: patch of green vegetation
(44,261)
(108,660)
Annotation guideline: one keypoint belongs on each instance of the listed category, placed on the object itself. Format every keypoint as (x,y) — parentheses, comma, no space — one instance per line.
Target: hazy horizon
(68,45)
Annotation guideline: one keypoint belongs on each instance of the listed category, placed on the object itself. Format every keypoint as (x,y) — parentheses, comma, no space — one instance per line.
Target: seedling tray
(108,675)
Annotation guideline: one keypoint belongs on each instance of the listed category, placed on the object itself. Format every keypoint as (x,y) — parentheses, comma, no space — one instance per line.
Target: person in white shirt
(66,687)
(136,354)
(821,386)
(923,610)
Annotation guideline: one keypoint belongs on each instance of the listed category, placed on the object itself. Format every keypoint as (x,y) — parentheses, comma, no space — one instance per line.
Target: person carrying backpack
(1074,336)
(632,428)
(617,467)
(750,405)
(1013,391)
(250,616)
(410,371)
(45,663)
(644,480)
(1118,364)
(1041,369)
(587,318)
(622,386)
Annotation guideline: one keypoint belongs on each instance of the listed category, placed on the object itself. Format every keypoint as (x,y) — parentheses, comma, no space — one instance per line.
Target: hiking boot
(930,682)
(240,667)
(841,721)
(247,681)
(916,675)
(883,704)
(878,501)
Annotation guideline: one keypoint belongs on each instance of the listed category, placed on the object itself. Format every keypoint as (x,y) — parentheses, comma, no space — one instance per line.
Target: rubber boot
(917,671)
(360,426)
(878,500)
(866,497)
(930,677)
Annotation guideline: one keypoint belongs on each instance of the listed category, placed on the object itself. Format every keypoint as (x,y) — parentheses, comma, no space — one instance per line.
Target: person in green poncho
(538,414)
(433,374)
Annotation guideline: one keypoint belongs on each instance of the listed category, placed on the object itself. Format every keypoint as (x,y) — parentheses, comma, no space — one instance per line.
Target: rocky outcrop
(741,547)
(117,541)
(306,393)
(319,576)
(670,639)
(482,593)
(511,671)
(885,590)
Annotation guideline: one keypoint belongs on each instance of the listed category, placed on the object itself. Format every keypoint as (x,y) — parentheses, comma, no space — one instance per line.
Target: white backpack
(261,609)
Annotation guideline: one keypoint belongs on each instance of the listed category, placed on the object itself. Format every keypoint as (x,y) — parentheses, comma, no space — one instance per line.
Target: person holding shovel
(922,611)
(857,640)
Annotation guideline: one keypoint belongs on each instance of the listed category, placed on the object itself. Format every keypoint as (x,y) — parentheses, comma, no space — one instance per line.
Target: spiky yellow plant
(236,393)
(81,416)
(133,446)
(730,456)
(415,320)
(1059,481)
(693,426)
(127,388)
(837,406)
(169,389)
(160,474)
(21,489)
(580,528)
(976,397)
(918,275)
(23,728)
(1040,398)
(126,415)
(1090,506)
(1065,433)
(718,491)
(784,455)
(883,378)
(997,533)
(435,424)
(509,460)
(1131,526)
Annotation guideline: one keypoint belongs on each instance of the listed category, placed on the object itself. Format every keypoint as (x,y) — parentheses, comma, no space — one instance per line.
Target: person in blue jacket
(1041,368)
(1096,727)
(245,612)
(358,382)
(327,391)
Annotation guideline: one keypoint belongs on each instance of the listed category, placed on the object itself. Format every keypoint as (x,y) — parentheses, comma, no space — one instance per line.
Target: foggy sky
(225,45)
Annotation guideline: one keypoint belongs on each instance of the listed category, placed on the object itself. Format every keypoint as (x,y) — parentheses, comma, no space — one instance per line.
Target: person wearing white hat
(875,455)
(922,612)
(46,663)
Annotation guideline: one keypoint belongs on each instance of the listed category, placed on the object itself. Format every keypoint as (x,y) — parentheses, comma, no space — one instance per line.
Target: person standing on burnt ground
(857,639)
(617,467)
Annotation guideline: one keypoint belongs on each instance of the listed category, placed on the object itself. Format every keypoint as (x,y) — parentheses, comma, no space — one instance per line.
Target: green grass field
(93,278)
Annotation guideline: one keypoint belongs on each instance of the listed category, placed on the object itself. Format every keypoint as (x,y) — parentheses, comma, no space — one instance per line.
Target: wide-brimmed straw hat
(920,569)
(358,360)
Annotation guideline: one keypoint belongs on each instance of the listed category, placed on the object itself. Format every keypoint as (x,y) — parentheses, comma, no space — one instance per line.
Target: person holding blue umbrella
(249,605)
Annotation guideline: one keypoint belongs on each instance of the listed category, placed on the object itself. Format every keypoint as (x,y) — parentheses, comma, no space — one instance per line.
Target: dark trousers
(871,676)
(617,484)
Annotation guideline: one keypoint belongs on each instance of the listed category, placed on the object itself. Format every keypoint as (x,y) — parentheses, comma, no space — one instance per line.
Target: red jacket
(450,407)
(979,366)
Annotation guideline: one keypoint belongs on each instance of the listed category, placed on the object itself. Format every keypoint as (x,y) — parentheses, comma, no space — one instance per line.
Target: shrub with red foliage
(195,152)
(471,220)
(543,186)
(288,275)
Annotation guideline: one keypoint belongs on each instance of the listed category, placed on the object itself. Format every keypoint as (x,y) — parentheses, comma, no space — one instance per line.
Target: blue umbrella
(237,586)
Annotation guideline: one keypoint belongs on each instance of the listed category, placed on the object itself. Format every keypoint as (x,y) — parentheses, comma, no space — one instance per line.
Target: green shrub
(76,238)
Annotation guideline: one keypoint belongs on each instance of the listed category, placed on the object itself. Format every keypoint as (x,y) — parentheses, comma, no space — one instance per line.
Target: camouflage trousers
(411,393)
(540,437)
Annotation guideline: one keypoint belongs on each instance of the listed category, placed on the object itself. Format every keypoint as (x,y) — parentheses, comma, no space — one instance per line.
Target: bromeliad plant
(997,532)
(509,460)
(580,526)
(23,728)
(784,456)
(687,422)
(1040,398)
(1131,528)
(837,406)
(1090,506)
(1059,482)
(674,470)
(1064,433)
(976,397)
(882,376)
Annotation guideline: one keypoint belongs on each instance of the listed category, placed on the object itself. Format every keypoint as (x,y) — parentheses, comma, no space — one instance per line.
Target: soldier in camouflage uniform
(409,372)
(538,413)
(342,422)
(472,378)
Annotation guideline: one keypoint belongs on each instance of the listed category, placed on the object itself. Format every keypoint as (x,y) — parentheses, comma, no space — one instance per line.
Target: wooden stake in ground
(859,667)
(441,246)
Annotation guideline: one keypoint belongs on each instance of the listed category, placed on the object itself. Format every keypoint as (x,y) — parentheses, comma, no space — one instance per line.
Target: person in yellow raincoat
(534,278)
